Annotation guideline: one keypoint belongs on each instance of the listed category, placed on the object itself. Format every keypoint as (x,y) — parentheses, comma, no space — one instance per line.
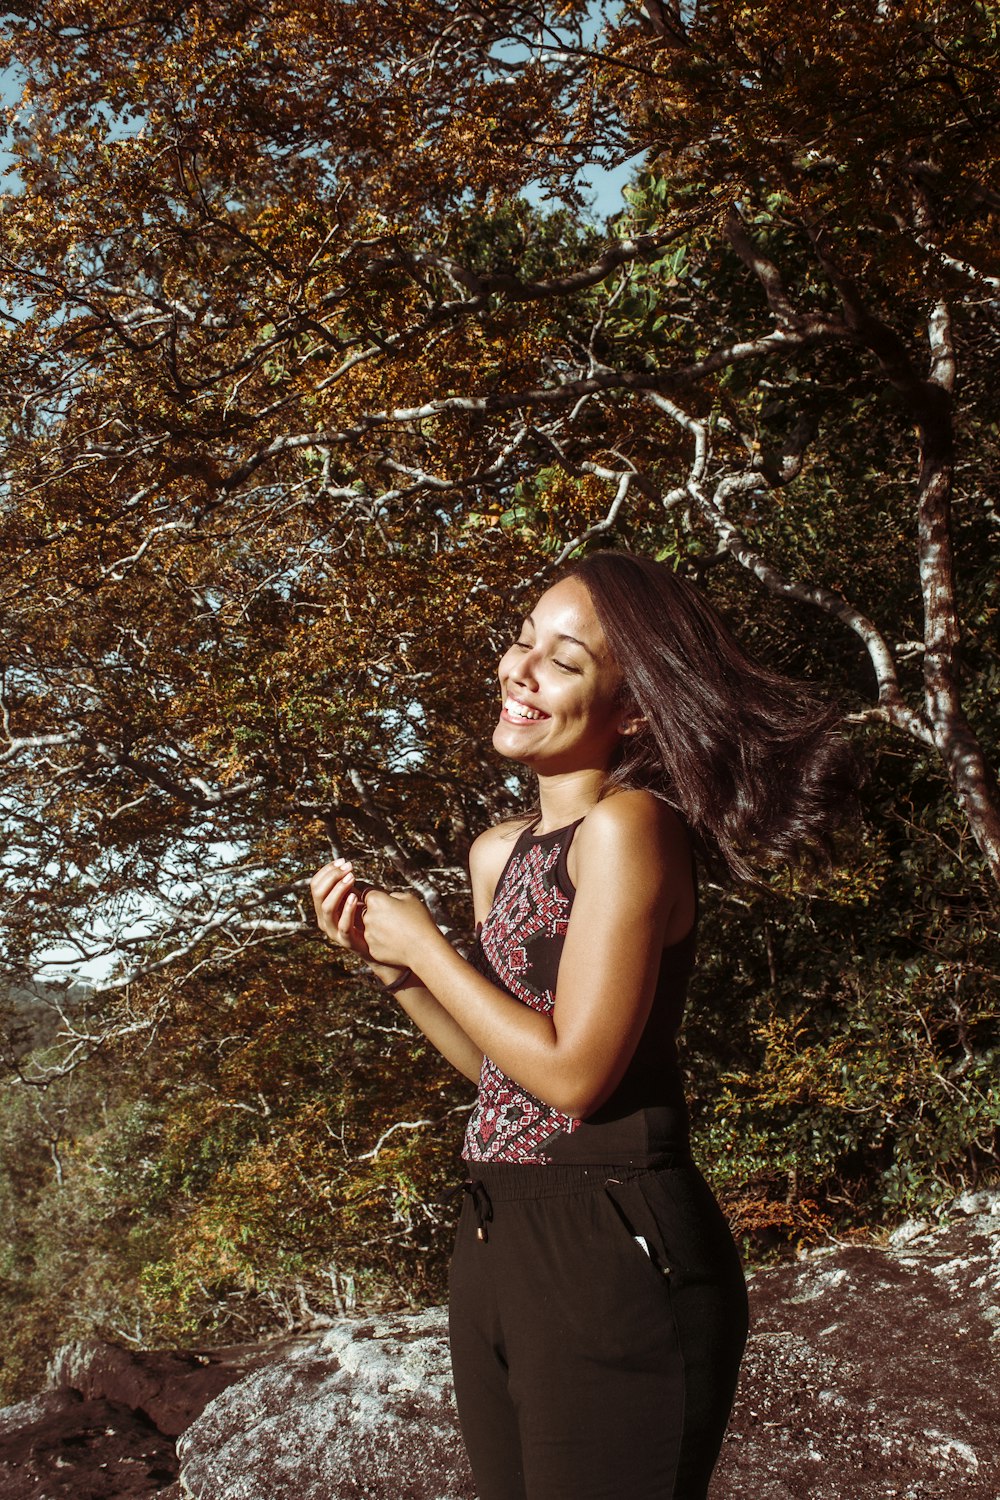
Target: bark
(943,724)
(780,470)
(970,775)
(931,401)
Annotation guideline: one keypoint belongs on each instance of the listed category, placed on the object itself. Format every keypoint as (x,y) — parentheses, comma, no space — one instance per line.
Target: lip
(509,718)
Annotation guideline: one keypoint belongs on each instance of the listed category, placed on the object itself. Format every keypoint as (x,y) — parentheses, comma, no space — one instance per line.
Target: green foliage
(857,1079)
(296,391)
(69,1257)
(233,1179)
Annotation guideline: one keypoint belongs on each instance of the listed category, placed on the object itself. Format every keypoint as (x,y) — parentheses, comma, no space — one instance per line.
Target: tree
(301,397)
(255,348)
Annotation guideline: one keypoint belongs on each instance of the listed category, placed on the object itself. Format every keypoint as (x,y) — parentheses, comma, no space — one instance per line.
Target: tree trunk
(971,778)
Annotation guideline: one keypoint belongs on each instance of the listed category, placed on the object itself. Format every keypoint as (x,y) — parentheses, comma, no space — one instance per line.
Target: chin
(505,745)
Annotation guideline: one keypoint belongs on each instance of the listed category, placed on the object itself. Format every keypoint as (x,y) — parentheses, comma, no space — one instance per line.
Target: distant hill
(31,1015)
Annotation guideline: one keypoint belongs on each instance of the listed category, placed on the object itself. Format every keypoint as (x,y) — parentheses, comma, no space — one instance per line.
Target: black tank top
(519,948)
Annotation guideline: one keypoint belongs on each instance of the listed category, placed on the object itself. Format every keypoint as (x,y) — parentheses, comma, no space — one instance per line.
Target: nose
(523,669)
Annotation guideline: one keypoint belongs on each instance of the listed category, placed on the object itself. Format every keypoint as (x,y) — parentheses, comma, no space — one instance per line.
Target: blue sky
(603,189)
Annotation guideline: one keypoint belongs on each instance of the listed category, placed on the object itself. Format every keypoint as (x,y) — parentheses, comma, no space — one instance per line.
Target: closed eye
(564,666)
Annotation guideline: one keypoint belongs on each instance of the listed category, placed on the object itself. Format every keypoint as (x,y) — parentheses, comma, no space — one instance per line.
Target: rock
(60,1447)
(913,1229)
(984,1204)
(106,1427)
(871,1374)
(170,1388)
(366,1412)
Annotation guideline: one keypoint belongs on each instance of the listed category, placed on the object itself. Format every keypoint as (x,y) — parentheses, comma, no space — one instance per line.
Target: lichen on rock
(871,1374)
(366,1412)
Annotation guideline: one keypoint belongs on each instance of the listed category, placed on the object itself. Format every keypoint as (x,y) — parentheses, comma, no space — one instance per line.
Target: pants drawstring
(481,1205)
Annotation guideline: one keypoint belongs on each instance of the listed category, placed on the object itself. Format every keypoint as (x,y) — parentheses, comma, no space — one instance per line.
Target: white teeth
(517,710)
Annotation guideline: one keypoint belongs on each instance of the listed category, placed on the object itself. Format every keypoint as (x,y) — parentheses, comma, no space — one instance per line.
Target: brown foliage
(300,398)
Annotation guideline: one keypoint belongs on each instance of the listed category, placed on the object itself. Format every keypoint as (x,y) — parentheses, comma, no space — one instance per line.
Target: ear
(632,724)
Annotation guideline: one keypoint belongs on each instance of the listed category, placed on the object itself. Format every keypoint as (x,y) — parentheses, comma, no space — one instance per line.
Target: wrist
(393,978)
(425,952)
(385,973)
(406,980)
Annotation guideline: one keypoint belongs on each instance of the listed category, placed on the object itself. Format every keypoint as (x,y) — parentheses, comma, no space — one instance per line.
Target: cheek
(605,712)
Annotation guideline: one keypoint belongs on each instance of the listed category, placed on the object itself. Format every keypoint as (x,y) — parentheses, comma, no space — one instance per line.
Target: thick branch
(785,312)
(891,703)
(504,283)
(973,782)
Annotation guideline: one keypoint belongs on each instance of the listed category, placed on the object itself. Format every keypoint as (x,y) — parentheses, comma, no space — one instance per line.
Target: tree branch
(891,705)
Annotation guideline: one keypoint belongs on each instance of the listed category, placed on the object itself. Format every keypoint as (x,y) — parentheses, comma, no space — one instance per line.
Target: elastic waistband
(506,1181)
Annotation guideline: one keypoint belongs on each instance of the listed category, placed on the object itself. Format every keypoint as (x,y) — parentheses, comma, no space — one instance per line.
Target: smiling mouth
(520,713)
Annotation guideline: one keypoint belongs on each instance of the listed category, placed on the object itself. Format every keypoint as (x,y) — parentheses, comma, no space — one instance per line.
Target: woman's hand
(387,929)
(397,928)
(339,912)
(402,922)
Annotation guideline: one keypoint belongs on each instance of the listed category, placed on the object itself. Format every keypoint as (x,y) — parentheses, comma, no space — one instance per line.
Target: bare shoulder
(633,842)
(635,820)
(496,842)
(487,857)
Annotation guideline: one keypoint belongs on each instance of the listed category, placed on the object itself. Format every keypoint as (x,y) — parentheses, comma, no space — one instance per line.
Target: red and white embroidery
(527,905)
(516,947)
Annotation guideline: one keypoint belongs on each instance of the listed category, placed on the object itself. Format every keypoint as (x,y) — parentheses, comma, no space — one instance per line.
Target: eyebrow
(564,637)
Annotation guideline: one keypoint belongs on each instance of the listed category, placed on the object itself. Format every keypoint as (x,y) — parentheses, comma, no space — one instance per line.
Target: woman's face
(560,708)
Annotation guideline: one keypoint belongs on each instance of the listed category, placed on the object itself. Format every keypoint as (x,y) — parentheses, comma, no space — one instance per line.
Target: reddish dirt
(66,1448)
(871,1374)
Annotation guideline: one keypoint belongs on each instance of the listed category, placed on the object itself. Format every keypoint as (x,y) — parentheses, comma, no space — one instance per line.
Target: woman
(597,1304)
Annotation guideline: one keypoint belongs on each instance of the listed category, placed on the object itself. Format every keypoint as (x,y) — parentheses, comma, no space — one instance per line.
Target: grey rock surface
(871,1374)
(366,1412)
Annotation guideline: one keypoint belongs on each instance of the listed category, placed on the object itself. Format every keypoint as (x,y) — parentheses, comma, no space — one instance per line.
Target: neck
(564,798)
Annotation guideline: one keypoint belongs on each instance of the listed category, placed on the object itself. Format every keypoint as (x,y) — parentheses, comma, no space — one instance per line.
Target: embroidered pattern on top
(529,909)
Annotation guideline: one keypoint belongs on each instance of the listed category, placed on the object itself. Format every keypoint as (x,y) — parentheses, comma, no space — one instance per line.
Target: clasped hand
(385,927)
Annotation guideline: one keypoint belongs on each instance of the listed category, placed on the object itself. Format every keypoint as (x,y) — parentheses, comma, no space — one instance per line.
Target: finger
(336,894)
(321,882)
(324,880)
(328,911)
(348,912)
(350,930)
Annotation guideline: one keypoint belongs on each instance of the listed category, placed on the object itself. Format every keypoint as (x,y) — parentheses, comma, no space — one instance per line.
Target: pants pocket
(636,1217)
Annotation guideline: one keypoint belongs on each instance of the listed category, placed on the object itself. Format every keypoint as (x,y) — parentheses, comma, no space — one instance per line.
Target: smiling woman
(598,1309)
(561,687)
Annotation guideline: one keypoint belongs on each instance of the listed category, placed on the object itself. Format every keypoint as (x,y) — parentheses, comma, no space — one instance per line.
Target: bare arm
(487,858)
(633,877)
(441,1030)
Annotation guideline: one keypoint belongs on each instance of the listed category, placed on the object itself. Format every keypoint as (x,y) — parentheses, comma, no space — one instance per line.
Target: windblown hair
(753,761)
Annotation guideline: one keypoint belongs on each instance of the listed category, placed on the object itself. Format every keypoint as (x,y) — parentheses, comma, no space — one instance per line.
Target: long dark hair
(754,762)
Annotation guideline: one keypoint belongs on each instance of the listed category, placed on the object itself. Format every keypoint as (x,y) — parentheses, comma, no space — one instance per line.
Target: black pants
(591,1364)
